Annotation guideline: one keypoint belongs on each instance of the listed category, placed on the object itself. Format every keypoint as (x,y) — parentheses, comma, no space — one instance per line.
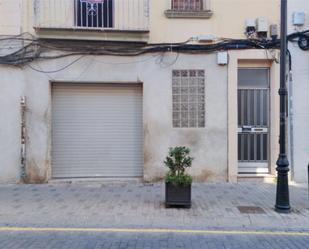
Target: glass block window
(188,98)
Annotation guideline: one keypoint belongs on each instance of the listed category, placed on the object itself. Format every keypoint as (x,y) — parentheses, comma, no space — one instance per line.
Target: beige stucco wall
(227,21)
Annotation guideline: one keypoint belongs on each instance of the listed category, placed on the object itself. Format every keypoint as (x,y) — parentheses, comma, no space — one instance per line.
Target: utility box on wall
(262,24)
(299,18)
(222,58)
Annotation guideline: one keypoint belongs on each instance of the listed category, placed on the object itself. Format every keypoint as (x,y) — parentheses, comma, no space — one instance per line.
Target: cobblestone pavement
(136,205)
(54,240)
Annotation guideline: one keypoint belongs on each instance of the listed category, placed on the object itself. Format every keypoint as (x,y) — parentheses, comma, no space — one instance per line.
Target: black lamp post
(282,198)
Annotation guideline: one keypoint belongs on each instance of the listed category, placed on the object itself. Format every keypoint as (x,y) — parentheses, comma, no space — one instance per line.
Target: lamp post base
(283,197)
(283,209)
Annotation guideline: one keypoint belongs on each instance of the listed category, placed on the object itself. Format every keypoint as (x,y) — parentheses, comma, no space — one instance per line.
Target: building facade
(103,88)
(299,92)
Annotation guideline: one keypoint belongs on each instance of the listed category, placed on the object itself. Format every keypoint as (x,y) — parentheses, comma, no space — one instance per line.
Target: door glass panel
(245,148)
(239,146)
(252,107)
(258,147)
(238,106)
(265,106)
(265,152)
(245,106)
(253,77)
(252,152)
(258,108)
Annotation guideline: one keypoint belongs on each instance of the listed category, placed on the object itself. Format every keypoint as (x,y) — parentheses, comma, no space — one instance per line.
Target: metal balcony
(92,15)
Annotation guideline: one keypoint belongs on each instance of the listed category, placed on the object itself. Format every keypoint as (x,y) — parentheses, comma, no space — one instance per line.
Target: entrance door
(253,120)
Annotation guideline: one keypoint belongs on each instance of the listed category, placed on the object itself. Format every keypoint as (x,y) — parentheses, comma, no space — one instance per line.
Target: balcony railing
(118,15)
(187,5)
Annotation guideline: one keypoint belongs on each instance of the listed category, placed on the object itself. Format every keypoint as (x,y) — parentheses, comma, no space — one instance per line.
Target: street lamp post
(282,195)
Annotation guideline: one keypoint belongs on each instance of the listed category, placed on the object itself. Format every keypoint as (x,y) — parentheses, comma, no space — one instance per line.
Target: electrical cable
(44,49)
(302,39)
(57,70)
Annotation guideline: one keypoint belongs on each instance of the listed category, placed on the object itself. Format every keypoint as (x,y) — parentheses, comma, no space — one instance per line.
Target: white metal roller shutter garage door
(97,130)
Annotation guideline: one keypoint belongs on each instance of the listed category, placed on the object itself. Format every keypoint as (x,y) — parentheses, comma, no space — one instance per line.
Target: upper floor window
(187,5)
(189,9)
(94,13)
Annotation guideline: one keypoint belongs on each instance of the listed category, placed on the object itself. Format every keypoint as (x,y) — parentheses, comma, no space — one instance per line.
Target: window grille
(188,98)
(187,5)
(94,13)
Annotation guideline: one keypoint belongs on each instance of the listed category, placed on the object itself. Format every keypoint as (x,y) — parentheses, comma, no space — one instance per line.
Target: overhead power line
(41,49)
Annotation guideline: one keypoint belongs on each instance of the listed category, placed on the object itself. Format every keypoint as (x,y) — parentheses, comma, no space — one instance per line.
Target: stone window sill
(201,14)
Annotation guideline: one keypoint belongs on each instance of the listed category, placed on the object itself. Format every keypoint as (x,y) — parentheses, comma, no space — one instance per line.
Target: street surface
(118,240)
(132,215)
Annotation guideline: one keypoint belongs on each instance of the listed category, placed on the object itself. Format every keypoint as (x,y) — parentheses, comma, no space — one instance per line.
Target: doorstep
(266,178)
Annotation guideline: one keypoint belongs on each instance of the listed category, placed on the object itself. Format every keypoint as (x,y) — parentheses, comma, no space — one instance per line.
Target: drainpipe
(23,138)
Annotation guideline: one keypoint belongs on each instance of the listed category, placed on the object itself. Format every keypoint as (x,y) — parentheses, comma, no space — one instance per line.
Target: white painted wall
(208,145)
(300,94)
(10,17)
(12,88)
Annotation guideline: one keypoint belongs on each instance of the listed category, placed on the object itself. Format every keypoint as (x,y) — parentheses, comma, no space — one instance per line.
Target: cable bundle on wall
(26,48)
(302,39)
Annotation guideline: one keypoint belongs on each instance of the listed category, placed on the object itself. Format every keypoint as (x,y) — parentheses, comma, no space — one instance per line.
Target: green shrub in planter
(177,181)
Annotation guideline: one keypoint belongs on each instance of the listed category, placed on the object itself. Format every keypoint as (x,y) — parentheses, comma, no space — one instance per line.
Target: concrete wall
(12,88)
(209,144)
(299,114)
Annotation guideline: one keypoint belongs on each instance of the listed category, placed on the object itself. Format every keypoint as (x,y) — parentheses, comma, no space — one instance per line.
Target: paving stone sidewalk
(137,205)
(29,240)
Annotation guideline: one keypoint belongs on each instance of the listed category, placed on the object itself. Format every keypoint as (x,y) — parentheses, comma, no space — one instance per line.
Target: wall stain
(147,153)
(204,176)
(191,139)
(34,174)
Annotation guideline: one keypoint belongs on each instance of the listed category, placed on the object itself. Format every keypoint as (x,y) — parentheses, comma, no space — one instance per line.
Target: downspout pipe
(23,106)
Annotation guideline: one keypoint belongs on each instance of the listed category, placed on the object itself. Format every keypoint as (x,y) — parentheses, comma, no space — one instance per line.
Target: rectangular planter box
(177,195)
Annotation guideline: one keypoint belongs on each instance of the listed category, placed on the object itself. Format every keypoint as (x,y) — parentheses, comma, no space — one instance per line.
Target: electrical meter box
(262,25)
(222,58)
(299,18)
(274,30)
(250,23)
